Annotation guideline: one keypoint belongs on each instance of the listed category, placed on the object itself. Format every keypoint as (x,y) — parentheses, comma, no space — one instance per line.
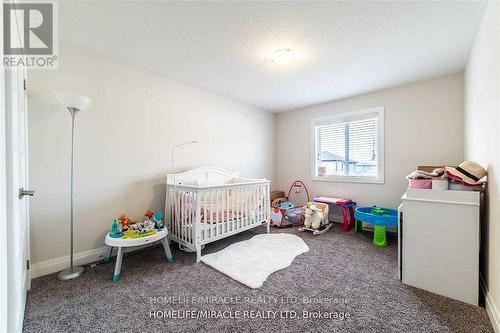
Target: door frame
(3,198)
(3,201)
(11,307)
(16,207)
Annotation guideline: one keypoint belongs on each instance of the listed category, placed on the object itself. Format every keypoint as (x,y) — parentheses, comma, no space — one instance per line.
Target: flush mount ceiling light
(283,56)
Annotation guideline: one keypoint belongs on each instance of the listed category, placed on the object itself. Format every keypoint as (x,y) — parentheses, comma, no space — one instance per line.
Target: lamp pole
(72,272)
(74,103)
(73,113)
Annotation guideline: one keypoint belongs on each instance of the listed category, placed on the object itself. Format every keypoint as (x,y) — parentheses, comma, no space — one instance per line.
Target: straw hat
(469,172)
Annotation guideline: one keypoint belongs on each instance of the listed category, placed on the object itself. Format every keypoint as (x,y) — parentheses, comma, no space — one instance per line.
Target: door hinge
(27,264)
(24,84)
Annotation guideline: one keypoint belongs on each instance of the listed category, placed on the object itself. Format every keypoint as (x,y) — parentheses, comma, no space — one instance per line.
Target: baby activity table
(121,243)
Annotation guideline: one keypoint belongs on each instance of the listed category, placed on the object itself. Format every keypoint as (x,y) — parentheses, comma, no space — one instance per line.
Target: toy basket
(285,212)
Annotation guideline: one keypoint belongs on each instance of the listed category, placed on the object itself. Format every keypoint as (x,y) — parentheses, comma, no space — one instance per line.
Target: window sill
(349,179)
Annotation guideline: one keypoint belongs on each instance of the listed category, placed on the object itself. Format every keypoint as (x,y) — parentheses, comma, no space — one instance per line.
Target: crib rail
(196,215)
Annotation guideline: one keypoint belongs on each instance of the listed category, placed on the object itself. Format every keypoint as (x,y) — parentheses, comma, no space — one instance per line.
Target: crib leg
(198,253)
(268,225)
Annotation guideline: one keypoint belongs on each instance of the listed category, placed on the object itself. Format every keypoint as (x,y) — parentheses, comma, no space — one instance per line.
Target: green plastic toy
(380,218)
(379,211)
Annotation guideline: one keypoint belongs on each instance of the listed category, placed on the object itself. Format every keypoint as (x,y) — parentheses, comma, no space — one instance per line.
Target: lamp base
(70,273)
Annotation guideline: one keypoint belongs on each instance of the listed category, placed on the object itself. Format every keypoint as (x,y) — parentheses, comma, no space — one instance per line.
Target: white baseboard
(86,257)
(491,308)
(58,264)
(81,258)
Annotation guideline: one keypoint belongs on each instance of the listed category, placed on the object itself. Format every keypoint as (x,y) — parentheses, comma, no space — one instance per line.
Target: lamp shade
(72,100)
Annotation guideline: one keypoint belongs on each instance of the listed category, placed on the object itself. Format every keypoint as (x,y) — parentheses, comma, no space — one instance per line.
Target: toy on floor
(316,215)
(286,205)
(285,212)
(380,218)
(345,203)
(276,217)
(293,217)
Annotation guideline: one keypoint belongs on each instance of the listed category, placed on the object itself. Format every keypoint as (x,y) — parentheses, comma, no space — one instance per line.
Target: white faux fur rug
(252,261)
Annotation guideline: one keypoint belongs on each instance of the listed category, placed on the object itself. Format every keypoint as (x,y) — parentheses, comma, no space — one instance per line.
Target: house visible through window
(349,147)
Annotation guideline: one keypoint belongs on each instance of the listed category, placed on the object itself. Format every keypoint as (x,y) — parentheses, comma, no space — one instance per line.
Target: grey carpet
(342,270)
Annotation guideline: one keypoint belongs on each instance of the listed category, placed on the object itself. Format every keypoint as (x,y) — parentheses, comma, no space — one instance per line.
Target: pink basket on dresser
(420,183)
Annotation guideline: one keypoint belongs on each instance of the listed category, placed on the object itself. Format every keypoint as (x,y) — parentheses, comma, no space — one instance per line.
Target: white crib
(206,204)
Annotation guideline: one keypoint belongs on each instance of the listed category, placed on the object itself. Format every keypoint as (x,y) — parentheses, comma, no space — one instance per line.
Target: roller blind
(348,148)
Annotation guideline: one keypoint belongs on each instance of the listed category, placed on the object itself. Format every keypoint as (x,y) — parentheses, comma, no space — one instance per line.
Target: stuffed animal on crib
(316,215)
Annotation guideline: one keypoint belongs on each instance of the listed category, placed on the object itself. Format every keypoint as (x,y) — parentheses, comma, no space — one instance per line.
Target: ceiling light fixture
(283,56)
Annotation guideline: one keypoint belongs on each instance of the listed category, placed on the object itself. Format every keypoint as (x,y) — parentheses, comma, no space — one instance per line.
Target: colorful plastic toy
(125,221)
(142,227)
(149,214)
(158,220)
(115,230)
(380,218)
(138,234)
(126,228)
(276,216)
(345,203)
(286,205)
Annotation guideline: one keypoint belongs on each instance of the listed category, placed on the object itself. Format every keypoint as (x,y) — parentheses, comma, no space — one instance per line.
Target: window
(349,147)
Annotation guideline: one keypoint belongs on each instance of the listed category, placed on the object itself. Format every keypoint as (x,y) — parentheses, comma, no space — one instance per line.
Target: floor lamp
(74,103)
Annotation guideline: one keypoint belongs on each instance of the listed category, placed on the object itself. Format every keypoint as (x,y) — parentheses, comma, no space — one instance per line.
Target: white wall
(423,126)
(482,106)
(123,145)
(124,140)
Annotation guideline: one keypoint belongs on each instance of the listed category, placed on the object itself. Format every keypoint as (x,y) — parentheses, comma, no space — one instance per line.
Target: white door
(16,174)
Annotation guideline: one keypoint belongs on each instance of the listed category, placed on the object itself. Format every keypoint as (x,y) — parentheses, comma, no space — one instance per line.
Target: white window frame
(345,116)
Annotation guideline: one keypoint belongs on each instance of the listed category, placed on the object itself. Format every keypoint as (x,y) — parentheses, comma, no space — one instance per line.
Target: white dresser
(439,242)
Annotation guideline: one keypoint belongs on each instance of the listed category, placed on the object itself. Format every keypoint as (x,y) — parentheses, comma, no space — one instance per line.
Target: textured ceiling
(346,48)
